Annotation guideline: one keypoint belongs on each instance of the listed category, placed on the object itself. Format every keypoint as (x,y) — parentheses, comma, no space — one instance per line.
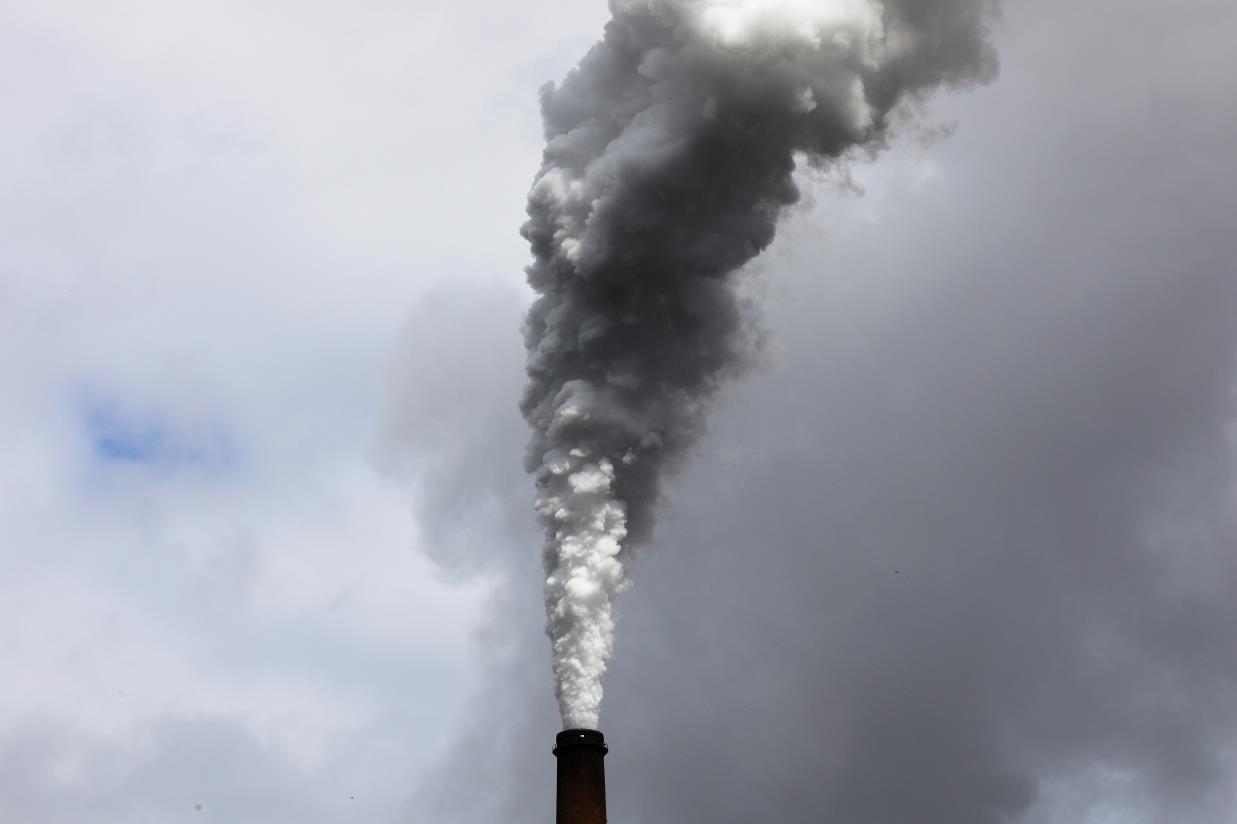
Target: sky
(962,551)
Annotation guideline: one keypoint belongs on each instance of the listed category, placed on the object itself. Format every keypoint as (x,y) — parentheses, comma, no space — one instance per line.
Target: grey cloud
(449,418)
(966,555)
(190,771)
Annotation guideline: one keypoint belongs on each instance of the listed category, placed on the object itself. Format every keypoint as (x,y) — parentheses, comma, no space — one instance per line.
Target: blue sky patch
(120,436)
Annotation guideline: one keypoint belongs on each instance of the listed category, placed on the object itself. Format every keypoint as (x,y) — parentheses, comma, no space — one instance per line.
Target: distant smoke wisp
(670,155)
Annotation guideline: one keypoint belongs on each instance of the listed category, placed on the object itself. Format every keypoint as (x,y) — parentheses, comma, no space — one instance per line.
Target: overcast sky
(964,551)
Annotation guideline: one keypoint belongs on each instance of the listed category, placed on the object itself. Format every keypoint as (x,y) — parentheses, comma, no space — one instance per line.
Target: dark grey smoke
(671,153)
(1012,385)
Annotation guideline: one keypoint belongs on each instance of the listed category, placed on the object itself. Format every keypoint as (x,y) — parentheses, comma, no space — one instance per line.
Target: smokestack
(581,777)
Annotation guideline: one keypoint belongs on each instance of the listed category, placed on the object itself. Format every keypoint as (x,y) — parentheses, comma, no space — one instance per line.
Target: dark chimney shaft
(581,777)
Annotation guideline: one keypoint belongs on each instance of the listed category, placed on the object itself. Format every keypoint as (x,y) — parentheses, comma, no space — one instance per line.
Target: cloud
(964,555)
(967,548)
(189,770)
(450,413)
(202,274)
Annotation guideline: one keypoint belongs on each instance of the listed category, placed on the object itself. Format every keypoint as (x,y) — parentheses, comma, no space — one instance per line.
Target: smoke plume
(671,151)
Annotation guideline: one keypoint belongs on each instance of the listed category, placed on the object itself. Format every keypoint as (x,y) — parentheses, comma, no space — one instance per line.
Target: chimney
(581,777)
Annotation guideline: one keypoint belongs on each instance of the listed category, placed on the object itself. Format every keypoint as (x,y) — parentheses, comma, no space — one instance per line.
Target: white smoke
(670,154)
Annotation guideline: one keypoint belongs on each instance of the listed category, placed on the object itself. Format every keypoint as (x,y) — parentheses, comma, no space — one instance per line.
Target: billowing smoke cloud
(670,156)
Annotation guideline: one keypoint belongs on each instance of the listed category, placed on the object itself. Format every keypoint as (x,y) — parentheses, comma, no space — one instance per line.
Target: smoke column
(670,154)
